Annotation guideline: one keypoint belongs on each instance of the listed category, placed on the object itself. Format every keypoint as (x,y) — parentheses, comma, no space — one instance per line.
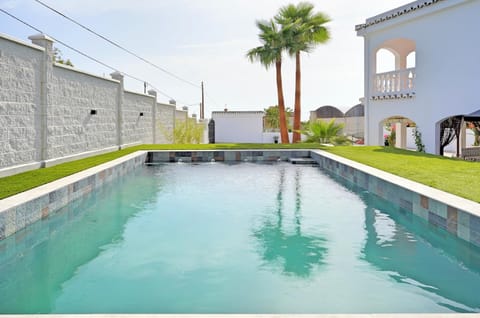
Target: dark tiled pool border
(225,155)
(455,215)
(458,216)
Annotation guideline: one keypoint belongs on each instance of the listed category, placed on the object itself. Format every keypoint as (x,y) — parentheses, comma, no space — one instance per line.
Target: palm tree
(303,30)
(323,132)
(268,54)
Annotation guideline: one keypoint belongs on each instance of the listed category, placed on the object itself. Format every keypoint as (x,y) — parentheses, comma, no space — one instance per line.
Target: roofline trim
(406,9)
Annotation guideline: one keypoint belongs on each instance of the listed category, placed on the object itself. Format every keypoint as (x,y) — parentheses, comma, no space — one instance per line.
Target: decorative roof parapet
(408,8)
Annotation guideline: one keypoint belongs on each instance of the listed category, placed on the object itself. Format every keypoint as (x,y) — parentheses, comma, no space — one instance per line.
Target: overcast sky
(205,40)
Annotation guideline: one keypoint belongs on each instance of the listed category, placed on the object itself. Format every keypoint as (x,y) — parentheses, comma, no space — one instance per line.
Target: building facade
(436,73)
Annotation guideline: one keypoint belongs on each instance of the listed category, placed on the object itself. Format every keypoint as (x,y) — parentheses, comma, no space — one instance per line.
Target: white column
(154,115)
(45,76)
(369,72)
(119,77)
(400,135)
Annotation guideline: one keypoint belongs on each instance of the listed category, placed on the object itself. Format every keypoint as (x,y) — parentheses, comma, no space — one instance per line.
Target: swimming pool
(241,238)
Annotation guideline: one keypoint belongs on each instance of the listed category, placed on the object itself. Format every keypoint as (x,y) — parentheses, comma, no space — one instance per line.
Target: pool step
(302,161)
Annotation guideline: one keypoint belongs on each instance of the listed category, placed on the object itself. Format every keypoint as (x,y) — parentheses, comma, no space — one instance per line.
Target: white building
(436,49)
(238,126)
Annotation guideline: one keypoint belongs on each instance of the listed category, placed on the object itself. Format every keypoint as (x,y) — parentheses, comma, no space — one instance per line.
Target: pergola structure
(453,127)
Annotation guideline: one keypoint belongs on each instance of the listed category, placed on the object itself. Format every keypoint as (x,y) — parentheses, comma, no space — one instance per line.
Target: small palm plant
(325,132)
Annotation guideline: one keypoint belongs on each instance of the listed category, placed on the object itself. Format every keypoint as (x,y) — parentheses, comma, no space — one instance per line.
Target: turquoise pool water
(246,238)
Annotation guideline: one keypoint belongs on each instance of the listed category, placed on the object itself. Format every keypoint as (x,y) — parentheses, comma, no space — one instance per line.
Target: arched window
(411,60)
(385,61)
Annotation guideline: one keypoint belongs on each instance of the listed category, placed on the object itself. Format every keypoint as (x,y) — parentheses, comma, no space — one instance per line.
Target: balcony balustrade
(395,84)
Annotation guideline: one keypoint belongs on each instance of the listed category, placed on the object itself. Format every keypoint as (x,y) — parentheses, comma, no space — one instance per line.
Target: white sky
(205,40)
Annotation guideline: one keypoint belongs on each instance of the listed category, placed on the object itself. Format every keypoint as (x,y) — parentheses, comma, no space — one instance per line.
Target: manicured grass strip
(451,175)
(28,180)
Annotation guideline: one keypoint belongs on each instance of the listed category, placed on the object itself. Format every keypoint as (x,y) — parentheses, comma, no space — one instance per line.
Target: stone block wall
(20,65)
(136,128)
(72,129)
(51,113)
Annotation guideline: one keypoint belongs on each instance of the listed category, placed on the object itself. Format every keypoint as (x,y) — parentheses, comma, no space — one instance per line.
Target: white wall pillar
(119,77)
(369,72)
(154,115)
(400,135)
(45,76)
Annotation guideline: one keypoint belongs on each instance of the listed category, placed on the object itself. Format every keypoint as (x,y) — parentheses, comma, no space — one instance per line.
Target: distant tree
(57,57)
(270,53)
(187,132)
(303,30)
(272,117)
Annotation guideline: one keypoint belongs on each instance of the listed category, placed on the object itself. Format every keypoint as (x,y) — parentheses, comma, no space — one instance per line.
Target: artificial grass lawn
(448,174)
(451,175)
(28,180)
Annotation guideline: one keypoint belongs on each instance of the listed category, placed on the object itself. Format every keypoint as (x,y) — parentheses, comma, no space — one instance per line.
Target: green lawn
(31,179)
(450,175)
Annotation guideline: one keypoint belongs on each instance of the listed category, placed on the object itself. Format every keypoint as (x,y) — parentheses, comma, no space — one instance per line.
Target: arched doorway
(399,132)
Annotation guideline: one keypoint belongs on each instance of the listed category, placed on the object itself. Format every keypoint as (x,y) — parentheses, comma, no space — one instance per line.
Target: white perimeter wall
(42,125)
(19,100)
(447,67)
(136,128)
(71,128)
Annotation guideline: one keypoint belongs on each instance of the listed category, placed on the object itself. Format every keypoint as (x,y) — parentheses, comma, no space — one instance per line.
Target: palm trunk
(281,104)
(298,108)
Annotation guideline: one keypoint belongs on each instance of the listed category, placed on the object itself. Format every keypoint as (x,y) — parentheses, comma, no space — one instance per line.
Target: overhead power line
(83,54)
(118,45)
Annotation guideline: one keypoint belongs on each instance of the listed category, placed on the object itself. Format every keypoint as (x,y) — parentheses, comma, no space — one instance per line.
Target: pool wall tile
(420,211)
(437,220)
(475,230)
(438,208)
(452,222)
(463,232)
(463,219)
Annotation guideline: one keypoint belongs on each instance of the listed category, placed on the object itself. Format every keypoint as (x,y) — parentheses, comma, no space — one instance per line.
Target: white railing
(396,82)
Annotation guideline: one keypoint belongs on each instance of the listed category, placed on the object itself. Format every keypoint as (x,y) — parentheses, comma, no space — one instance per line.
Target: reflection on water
(415,253)
(295,252)
(35,262)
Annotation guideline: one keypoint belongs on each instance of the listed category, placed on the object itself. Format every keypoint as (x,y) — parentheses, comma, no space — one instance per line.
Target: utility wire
(117,45)
(83,54)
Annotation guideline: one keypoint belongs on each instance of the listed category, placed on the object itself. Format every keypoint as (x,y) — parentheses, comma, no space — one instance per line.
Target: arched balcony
(394,74)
